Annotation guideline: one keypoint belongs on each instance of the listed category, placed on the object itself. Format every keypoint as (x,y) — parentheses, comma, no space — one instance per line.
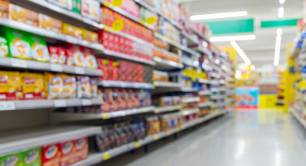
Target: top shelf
(60,13)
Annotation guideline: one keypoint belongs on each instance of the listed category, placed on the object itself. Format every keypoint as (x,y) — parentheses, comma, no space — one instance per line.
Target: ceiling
(261,50)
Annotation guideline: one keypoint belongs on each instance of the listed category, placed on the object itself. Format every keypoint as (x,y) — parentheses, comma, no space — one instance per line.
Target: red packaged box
(67,150)
(51,155)
(81,149)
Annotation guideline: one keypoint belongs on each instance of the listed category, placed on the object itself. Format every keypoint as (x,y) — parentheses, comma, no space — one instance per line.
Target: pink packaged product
(91,9)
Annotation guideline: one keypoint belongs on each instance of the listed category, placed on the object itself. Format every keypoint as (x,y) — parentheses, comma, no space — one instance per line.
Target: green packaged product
(76,6)
(18,43)
(12,160)
(3,47)
(32,157)
(39,49)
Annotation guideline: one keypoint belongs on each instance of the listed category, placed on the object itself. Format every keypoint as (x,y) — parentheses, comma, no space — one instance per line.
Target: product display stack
(83,81)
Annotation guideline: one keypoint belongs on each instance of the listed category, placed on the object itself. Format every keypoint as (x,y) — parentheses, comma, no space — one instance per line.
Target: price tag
(106,156)
(55,67)
(105,116)
(137,144)
(79,70)
(60,103)
(118,25)
(86,102)
(151,20)
(156,137)
(7,106)
(19,63)
(117,3)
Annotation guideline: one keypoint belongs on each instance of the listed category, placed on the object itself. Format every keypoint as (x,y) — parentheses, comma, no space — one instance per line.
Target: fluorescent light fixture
(253,68)
(281,12)
(241,53)
(218,15)
(232,38)
(282,2)
(278,43)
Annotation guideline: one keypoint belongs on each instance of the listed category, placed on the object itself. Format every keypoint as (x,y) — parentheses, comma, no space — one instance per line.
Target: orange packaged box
(49,23)
(23,15)
(4,8)
(72,31)
(33,86)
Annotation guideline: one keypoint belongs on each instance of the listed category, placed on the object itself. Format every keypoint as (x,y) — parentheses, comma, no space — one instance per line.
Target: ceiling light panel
(232,38)
(218,15)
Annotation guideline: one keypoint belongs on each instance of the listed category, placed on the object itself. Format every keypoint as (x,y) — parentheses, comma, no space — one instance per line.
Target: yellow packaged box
(32,86)
(49,23)
(90,36)
(54,85)
(10,85)
(72,31)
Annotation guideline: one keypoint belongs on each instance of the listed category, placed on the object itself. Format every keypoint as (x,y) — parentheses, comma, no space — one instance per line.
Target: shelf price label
(79,70)
(7,106)
(19,63)
(60,103)
(156,137)
(55,67)
(137,145)
(105,116)
(86,102)
(106,156)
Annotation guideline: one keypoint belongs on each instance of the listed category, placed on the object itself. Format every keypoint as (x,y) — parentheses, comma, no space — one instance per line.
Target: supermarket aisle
(248,138)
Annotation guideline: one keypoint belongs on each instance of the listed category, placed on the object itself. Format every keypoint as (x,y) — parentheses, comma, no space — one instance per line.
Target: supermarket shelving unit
(55,132)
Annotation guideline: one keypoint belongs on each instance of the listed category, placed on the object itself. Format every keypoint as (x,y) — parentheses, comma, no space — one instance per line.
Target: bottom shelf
(100,157)
(298,118)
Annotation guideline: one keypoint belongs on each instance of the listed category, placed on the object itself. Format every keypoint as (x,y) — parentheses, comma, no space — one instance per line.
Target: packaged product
(50,24)
(18,42)
(32,157)
(90,59)
(12,160)
(51,155)
(32,86)
(90,36)
(71,30)
(23,15)
(75,56)
(10,85)
(3,47)
(58,55)
(94,87)
(69,86)
(91,9)
(81,149)
(39,49)
(76,6)
(54,85)
(62,3)
(4,8)
(83,87)
(67,150)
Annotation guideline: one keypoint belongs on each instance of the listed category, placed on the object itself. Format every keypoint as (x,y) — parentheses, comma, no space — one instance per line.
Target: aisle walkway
(245,139)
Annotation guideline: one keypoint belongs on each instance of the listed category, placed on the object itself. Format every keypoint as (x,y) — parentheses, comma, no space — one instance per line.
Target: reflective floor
(253,138)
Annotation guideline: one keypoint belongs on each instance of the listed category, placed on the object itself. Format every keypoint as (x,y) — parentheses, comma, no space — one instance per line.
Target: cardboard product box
(72,30)
(4,8)
(62,3)
(91,9)
(12,160)
(51,155)
(81,149)
(10,85)
(3,47)
(67,153)
(50,24)
(76,6)
(23,15)
(33,86)
(39,49)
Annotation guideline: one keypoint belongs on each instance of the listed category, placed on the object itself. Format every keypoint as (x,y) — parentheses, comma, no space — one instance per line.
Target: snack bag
(53,52)
(91,9)
(67,150)
(75,56)
(83,87)
(3,47)
(54,85)
(50,24)
(32,86)
(19,46)
(12,160)
(32,157)
(23,15)
(39,49)
(69,86)
(90,59)
(51,155)
(81,149)
(4,8)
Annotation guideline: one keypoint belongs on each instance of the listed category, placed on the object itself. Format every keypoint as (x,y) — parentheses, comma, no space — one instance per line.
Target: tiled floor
(253,138)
